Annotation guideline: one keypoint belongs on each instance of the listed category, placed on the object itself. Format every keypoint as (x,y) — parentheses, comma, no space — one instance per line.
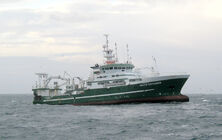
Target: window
(100,83)
(96,72)
(115,68)
(134,80)
(111,68)
(118,81)
(89,84)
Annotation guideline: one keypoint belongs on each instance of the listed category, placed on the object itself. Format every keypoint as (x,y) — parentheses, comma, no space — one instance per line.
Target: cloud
(10,1)
(180,24)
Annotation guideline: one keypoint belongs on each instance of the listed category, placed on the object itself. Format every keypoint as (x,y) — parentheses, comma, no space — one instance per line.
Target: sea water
(201,118)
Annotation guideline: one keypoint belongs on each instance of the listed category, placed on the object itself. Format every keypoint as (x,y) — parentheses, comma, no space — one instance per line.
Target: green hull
(158,91)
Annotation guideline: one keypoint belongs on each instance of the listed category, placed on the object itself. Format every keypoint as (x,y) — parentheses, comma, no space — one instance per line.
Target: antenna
(116,52)
(105,47)
(155,63)
(130,60)
(127,51)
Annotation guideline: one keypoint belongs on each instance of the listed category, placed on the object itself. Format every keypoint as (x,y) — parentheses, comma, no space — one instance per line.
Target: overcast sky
(54,36)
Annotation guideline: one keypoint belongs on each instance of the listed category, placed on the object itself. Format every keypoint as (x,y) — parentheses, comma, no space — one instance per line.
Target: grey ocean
(201,118)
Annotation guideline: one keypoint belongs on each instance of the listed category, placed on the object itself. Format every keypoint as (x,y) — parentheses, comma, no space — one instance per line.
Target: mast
(129,58)
(155,63)
(108,53)
(116,52)
(127,53)
(107,41)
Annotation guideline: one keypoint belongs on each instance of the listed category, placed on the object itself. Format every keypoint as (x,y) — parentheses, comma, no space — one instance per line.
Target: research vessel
(112,82)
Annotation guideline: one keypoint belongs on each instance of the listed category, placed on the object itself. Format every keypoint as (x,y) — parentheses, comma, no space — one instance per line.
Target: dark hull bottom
(176,98)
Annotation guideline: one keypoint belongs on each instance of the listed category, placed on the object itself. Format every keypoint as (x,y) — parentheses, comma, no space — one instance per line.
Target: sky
(54,36)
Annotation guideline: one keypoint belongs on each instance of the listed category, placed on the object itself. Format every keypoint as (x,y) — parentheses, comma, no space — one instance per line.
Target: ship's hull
(165,89)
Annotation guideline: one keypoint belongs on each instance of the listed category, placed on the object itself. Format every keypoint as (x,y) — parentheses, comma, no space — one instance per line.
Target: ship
(111,82)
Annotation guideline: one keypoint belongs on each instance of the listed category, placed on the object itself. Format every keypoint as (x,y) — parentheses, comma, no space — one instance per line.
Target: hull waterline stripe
(62,99)
(104,95)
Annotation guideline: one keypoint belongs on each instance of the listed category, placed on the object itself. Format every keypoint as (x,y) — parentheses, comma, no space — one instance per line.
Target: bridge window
(89,84)
(100,83)
(134,80)
(118,81)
